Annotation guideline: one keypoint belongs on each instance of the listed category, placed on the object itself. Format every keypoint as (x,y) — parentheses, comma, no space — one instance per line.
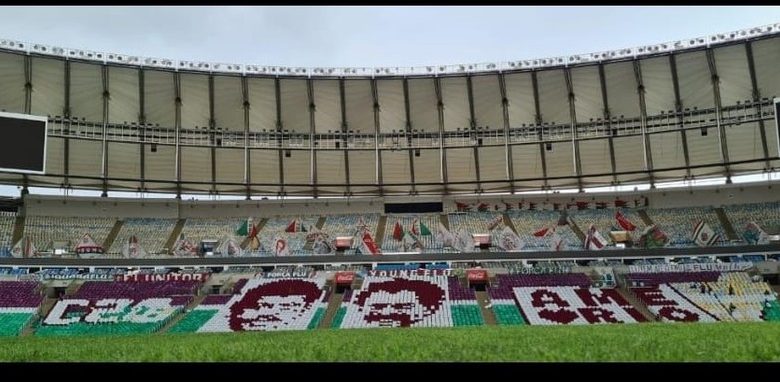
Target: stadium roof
(687,109)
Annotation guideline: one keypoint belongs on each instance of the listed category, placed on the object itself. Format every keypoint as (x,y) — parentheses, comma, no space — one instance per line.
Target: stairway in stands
(645,217)
(731,234)
(46,305)
(641,307)
(379,235)
(577,231)
(18,229)
(175,234)
(487,314)
(259,228)
(334,303)
(173,321)
(113,234)
(508,222)
(444,220)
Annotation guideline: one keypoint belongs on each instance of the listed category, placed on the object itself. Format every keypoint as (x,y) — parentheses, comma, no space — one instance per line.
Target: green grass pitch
(642,342)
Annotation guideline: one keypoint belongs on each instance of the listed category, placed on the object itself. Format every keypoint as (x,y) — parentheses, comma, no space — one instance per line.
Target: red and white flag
(368,245)
(623,222)
(542,232)
(594,240)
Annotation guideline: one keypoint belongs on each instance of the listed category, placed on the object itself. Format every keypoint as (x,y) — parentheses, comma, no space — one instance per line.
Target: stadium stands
(151,234)
(19,303)
(44,230)
(554,299)
(703,296)
(767,215)
(7,220)
(416,300)
(410,222)
(263,304)
(528,222)
(197,229)
(679,224)
(121,307)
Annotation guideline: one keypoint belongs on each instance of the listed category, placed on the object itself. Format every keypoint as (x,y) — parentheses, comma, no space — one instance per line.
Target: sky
(367,36)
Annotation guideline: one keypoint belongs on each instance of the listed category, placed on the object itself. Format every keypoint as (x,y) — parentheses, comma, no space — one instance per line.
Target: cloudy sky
(365,36)
(368,36)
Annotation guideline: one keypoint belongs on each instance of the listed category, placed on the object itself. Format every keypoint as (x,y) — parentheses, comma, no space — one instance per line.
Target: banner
(146,277)
(407,273)
(717,267)
(477,275)
(280,247)
(79,276)
(344,278)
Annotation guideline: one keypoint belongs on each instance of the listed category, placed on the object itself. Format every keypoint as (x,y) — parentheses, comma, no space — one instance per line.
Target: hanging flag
(398,231)
(253,233)
(280,247)
(556,244)
(414,227)
(464,241)
(594,240)
(703,234)
(483,207)
(624,222)
(243,230)
(444,236)
(368,246)
(509,241)
(424,231)
(542,232)
(652,237)
(755,235)
(292,228)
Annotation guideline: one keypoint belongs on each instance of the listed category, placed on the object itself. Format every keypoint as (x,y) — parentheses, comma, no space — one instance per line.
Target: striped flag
(703,234)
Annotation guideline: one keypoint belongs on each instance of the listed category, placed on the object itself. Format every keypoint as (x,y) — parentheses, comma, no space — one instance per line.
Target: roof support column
(279,131)
(177,129)
(442,151)
(510,173)
(212,137)
(27,84)
(724,149)
(756,93)
(246,105)
(142,127)
(377,156)
(408,130)
(608,118)
(473,128)
(312,154)
(27,105)
(66,119)
(575,144)
(540,136)
(104,143)
(678,106)
(648,155)
(344,131)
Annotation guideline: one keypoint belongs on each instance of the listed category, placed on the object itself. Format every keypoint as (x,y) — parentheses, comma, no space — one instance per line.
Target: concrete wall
(45,205)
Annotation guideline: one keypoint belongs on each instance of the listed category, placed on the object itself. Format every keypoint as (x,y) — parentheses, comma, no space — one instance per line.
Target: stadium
(483,203)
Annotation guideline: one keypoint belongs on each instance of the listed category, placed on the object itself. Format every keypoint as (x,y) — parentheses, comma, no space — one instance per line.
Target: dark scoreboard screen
(777,123)
(22,143)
